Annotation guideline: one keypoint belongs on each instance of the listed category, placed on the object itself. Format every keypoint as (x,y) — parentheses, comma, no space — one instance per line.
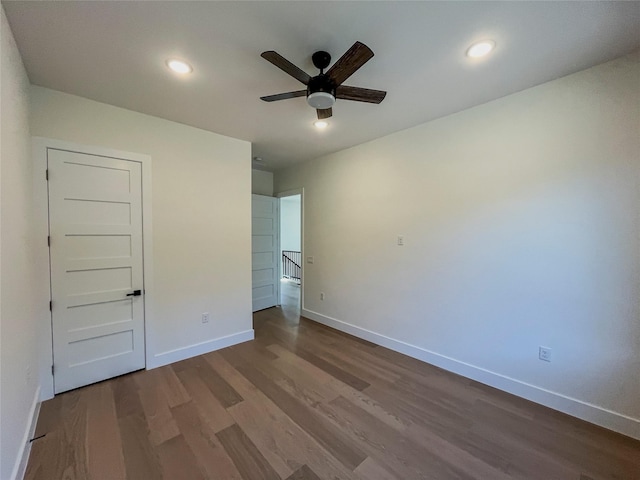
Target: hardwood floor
(304,402)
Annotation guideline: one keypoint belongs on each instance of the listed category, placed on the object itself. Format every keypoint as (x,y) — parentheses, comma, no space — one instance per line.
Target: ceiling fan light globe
(321,100)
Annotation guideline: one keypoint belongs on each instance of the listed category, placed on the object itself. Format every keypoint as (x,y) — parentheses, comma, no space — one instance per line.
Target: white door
(264,251)
(95,225)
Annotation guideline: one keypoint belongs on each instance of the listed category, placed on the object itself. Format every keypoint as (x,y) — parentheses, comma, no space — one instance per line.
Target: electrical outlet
(544,353)
(321,295)
(400,240)
(309,259)
(205,317)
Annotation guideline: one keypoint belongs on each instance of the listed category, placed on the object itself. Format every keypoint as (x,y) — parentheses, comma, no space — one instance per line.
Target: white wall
(290,223)
(262,182)
(201,217)
(20,276)
(521,225)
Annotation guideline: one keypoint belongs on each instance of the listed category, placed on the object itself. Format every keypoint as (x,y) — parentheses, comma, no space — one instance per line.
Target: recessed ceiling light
(321,124)
(179,66)
(480,49)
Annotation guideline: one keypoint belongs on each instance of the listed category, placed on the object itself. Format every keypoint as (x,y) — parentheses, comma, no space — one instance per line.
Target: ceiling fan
(323,89)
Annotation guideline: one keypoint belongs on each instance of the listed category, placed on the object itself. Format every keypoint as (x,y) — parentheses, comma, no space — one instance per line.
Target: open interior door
(264,251)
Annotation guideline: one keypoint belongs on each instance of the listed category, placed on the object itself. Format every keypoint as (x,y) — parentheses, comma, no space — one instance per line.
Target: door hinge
(48,240)
(50,306)
(52,370)
(46,174)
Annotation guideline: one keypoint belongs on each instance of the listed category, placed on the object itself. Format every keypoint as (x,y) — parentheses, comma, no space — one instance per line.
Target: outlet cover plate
(544,353)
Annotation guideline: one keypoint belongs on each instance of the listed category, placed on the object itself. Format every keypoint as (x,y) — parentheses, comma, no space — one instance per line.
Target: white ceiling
(114,52)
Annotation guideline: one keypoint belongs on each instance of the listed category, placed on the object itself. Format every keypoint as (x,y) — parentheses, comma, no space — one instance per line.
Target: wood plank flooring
(305,402)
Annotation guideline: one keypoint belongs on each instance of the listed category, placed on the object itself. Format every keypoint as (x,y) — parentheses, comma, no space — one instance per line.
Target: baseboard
(171,356)
(23,455)
(577,408)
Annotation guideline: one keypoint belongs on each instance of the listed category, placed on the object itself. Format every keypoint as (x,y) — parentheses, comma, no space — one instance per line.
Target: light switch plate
(544,353)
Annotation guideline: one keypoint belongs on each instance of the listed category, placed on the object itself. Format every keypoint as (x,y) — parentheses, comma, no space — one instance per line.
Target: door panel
(264,251)
(95,215)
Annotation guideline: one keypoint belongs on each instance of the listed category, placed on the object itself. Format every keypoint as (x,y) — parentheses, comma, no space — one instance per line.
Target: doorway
(97,202)
(291,271)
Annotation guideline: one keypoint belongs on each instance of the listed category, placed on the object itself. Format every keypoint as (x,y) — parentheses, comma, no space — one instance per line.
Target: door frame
(40,145)
(291,193)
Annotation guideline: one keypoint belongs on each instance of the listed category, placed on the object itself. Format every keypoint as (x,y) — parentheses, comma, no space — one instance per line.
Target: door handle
(135,293)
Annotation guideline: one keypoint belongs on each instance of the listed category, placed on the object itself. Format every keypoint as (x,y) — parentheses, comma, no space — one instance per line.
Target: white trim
(572,406)
(39,149)
(20,467)
(182,353)
(290,193)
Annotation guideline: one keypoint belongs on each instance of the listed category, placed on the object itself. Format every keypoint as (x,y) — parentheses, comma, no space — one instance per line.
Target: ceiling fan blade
(286,66)
(352,60)
(324,113)
(360,94)
(284,96)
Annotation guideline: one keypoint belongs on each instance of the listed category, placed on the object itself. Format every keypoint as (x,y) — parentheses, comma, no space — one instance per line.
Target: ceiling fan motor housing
(321,92)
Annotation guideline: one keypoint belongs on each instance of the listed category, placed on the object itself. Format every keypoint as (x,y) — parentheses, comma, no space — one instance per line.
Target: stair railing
(291,262)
